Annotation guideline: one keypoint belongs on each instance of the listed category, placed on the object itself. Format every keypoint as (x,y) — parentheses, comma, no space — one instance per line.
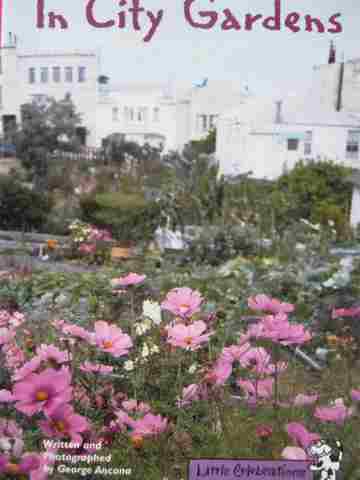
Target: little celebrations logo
(327,460)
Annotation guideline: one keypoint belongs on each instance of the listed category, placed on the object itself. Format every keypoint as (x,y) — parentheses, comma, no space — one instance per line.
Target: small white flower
(193,368)
(143,327)
(145,351)
(154,349)
(129,365)
(152,310)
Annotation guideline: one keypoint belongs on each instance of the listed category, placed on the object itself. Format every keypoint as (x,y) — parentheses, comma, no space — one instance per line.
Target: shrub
(314,191)
(22,208)
(128,216)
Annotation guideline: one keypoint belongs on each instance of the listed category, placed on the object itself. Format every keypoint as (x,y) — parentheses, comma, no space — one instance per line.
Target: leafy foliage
(47,126)
(20,207)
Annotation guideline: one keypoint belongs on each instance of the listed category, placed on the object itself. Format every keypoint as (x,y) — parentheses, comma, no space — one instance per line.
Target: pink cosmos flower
(300,436)
(355,395)
(96,368)
(149,425)
(78,332)
(6,335)
(278,329)
(182,302)
(257,389)
(10,429)
(6,396)
(52,354)
(189,337)
(235,352)
(129,280)
(135,406)
(12,320)
(15,357)
(64,423)
(190,394)
(267,304)
(345,312)
(337,413)
(43,392)
(27,369)
(28,463)
(97,234)
(46,459)
(301,400)
(294,453)
(258,360)
(88,248)
(111,339)
(219,374)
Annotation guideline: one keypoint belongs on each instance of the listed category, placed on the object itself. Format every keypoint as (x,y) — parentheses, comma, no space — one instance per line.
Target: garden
(243,344)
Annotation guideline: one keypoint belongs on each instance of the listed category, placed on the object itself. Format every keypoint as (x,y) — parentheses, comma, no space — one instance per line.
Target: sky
(268,62)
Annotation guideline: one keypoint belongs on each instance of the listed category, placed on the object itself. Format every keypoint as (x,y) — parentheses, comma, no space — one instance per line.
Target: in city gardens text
(134,14)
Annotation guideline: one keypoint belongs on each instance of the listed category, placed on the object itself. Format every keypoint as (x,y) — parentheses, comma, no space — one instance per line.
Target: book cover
(179,203)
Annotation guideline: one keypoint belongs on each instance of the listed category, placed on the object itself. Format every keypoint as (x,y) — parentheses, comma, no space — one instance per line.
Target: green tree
(46,127)
(20,207)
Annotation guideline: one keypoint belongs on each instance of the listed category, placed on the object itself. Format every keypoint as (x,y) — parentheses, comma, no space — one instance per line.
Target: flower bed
(142,372)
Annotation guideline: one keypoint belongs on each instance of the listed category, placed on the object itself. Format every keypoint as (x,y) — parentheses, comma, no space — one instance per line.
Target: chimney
(278,117)
(332,53)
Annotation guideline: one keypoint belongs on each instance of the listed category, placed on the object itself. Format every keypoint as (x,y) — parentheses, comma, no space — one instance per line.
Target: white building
(157,114)
(33,76)
(163,114)
(269,137)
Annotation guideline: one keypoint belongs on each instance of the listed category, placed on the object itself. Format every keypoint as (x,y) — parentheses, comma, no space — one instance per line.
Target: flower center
(137,441)
(107,344)
(41,396)
(188,340)
(12,468)
(60,426)
(184,307)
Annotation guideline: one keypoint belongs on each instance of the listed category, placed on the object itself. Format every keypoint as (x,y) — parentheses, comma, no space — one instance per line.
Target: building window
(68,74)
(129,114)
(292,144)
(141,114)
(352,144)
(115,114)
(156,114)
(212,121)
(82,74)
(56,74)
(308,143)
(44,75)
(31,75)
(202,123)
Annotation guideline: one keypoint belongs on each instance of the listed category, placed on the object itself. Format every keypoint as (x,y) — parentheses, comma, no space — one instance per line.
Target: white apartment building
(33,76)
(163,115)
(268,137)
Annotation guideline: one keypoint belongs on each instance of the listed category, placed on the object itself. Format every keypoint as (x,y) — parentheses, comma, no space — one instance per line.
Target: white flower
(143,327)
(154,349)
(193,368)
(152,310)
(145,351)
(129,365)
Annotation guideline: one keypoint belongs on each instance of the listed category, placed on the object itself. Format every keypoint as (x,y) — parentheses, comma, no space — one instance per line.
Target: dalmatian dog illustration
(326,459)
